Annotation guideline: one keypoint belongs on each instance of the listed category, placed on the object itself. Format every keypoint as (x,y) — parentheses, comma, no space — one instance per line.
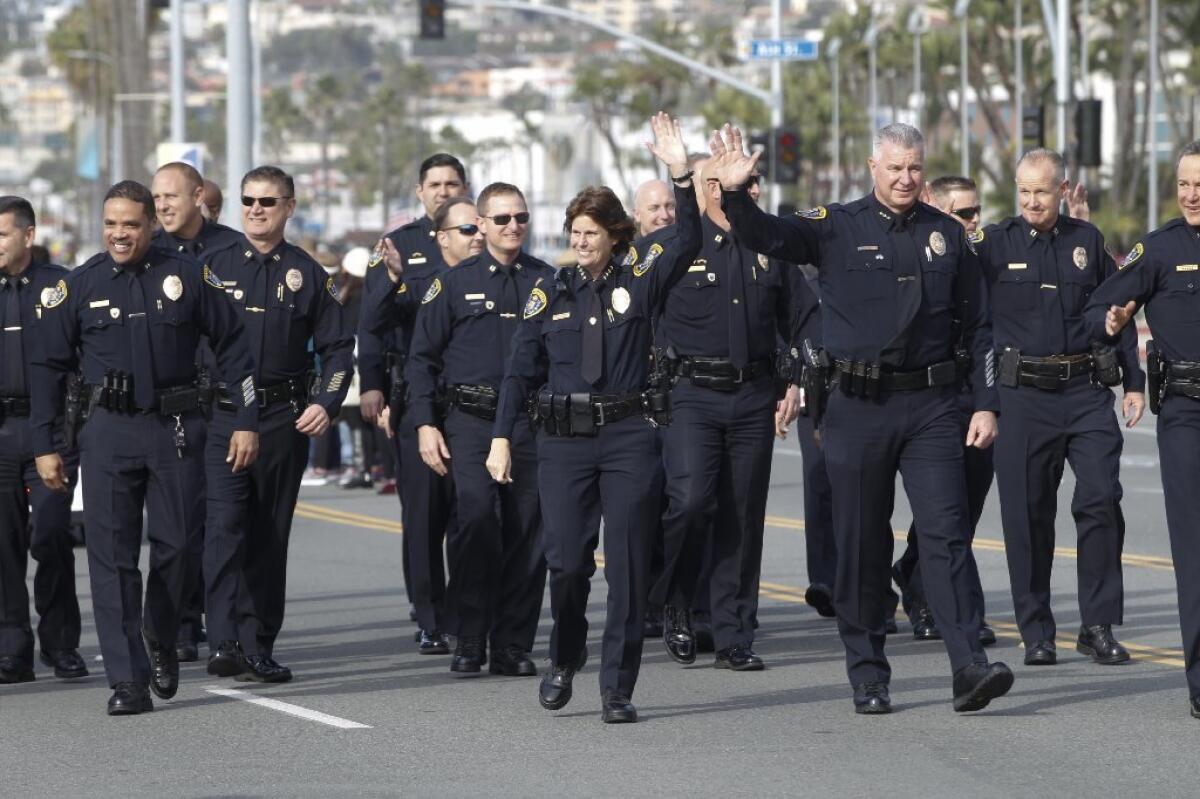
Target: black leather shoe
(617,709)
(129,699)
(1196,706)
(14,669)
(987,636)
(978,684)
(678,636)
(469,657)
(1097,641)
(652,627)
(263,668)
(201,634)
(924,627)
(704,640)
(820,598)
(738,658)
(555,690)
(187,652)
(890,627)
(432,642)
(511,661)
(1041,654)
(164,669)
(227,660)
(871,698)
(67,663)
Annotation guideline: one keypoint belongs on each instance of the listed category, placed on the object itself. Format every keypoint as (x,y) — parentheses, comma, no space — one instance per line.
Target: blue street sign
(782,50)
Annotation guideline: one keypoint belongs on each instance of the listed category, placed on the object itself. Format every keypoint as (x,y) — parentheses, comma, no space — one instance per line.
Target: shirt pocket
(1017,290)
(562,339)
(937,282)
(696,299)
(97,319)
(870,276)
(1076,289)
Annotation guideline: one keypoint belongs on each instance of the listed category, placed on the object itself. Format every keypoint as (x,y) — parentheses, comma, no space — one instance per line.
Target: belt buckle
(601,417)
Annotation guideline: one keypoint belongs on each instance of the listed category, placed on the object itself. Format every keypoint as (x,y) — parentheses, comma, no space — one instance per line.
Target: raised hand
(668,144)
(730,164)
(1077,202)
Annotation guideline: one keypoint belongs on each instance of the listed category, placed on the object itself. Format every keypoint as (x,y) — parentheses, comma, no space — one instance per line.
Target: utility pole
(834,46)
(239,109)
(178,109)
(961,9)
(1152,132)
(1019,94)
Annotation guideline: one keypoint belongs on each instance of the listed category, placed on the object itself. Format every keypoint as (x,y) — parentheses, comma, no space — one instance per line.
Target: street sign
(781,50)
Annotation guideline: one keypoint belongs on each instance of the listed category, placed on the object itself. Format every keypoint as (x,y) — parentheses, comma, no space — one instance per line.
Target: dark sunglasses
(265,202)
(967,213)
(503,219)
(466,230)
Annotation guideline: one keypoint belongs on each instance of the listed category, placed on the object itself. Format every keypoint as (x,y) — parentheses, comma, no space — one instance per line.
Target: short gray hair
(899,134)
(1191,148)
(1042,155)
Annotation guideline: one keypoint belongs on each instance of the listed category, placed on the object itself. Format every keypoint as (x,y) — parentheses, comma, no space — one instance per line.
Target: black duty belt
(1183,379)
(720,373)
(582,414)
(478,401)
(14,406)
(168,402)
(857,378)
(293,391)
(1054,371)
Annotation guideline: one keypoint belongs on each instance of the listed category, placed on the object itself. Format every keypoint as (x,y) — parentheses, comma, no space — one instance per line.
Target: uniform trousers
(819,548)
(426,514)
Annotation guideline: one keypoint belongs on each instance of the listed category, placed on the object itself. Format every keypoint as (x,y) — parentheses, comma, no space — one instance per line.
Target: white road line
(290,709)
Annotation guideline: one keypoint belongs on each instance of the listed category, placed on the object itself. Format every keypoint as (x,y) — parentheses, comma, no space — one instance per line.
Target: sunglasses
(967,213)
(265,202)
(503,219)
(466,230)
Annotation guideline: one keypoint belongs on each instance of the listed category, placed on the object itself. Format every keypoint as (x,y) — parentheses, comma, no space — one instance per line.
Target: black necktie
(739,348)
(510,306)
(139,340)
(256,311)
(592,367)
(14,358)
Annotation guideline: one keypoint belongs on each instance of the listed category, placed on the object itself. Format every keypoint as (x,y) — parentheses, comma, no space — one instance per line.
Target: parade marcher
(895,275)
(426,503)
(461,341)
(46,535)
(211,201)
(582,349)
(1161,273)
(958,197)
(285,300)
(1057,408)
(721,323)
(131,319)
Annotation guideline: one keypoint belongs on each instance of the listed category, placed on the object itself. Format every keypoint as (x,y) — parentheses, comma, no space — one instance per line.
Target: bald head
(653,207)
(211,200)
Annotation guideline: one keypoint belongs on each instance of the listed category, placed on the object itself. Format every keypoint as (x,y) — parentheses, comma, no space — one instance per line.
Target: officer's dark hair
(443,212)
(20,208)
(193,178)
(442,159)
(134,192)
(495,190)
(1191,148)
(941,187)
(1045,154)
(604,207)
(272,174)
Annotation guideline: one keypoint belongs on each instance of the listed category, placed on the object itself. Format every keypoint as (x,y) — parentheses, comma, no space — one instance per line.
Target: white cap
(355,262)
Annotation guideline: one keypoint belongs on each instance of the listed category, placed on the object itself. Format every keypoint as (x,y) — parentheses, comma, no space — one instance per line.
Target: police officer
(721,323)
(425,501)
(284,299)
(1162,272)
(131,318)
(463,333)
(1057,408)
(894,275)
(585,340)
(211,201)
(48,538)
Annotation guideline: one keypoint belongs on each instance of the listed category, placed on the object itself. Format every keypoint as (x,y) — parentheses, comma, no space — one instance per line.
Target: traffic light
(1087,132)
(1033,126)
(433,19)
(762,141)
(787,156)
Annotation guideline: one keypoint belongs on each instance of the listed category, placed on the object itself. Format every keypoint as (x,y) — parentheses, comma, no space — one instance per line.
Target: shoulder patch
(211,278)
(332,290)
(55,296)
(820,212)
(630,257)
(435,288)
(536,303)
(1136,253)
(647,263)
(976,237)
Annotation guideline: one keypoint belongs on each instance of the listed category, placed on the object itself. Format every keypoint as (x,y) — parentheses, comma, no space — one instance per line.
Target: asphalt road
(396,723)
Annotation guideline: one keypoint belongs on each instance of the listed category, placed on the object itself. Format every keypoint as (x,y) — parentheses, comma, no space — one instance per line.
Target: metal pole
(1152,133)
(238,107)
(178,108)
(776,106)
(872,39)
(964,117)
(256,84)
(118,140)
(1019,93)
(1062,76)
(834,47)
(1084,81)
(918,98)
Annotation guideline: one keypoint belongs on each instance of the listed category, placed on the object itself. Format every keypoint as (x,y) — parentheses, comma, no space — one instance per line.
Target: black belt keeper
(14,406)
(477,401)
(720,374)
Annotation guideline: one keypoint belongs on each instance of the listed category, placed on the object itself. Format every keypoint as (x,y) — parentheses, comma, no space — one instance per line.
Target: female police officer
(585,340)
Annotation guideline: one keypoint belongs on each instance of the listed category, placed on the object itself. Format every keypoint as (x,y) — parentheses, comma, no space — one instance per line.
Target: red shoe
(388,487)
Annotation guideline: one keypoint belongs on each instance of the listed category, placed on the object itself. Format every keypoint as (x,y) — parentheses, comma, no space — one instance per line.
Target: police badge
(173,287)
(1079,256)
(764,263)
(294,280)
(620,299)
(937,243)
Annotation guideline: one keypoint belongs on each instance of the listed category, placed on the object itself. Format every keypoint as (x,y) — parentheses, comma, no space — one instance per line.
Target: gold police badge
(621,299)
(764,263)
(294,280)
(1079,256)
(937,243)
(173,287)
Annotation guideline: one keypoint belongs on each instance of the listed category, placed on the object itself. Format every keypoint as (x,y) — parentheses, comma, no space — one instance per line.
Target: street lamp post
(178,109)
(1019,92)
(960,11)
(834,46)
(916,26)
(239,108)
(1152,131)
(872,39)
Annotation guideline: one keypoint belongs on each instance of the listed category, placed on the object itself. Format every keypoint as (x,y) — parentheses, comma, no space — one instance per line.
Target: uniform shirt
(213,236)
(37,278)
(891,285)
(1162,272)
(378,333)
(807,301)
(84,325)
(728,286)
(548,347)
(465,327)
(285,299)
(1039,285)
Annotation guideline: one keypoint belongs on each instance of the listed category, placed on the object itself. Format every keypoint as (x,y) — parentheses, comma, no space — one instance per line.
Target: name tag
(868,248)
(1187,267)
(563,315)
(98,304)
(1018,266)
(1049,286)
(416,261)
(701,267)
(474,296)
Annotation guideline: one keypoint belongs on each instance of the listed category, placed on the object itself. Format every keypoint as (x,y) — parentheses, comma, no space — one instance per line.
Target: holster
(397,397)
(785,366)
(579,410)
(656,405)
(1106,367)
(207,391)
(1010,367)
(1156,383)
(73,410)
(814,379)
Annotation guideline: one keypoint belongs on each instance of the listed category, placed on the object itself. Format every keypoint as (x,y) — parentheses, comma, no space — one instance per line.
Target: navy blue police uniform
(1162,272)
(889,287)
(284,300)
(47,534)
(385,330)
(1055,411)
(134,332)
(212,237)
(461,342)
(583,346)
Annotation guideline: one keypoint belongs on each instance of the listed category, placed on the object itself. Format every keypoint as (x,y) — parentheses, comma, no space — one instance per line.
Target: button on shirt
(1162,272)
(1041,282)
(465,326)
(891,285)
(84,324)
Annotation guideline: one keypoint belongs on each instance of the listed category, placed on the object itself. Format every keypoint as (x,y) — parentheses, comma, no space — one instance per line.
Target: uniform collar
(275,255)
(144,266)
(1033,235)
(888,218)
(713,232)
(495,267)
